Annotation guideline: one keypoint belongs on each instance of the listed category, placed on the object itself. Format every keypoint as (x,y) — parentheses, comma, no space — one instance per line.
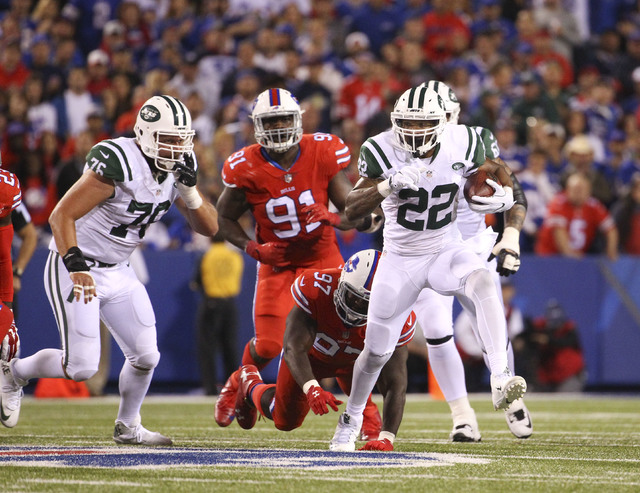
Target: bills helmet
(354,287)
(418,118)
(274,104)
(163,131)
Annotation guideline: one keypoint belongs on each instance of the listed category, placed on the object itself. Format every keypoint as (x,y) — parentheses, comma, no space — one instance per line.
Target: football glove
(10,344)
(319,213)
(319,399)
(383,445)
(270,253)
(407,177)
(186,172)
(502,200)
(507,251)
(186,178)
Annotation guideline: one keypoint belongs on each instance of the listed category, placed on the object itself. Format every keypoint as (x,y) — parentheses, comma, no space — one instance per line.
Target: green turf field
(580,443)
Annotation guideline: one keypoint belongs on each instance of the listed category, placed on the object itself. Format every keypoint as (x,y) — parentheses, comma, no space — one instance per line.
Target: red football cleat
(226,402)
(371,422)
(246,412)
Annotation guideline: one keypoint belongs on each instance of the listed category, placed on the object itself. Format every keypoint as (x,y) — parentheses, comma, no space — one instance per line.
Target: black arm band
(74,260)
(518,194)
(365,224)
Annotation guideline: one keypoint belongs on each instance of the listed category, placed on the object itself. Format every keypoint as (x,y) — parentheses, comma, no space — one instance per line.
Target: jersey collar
(273,163)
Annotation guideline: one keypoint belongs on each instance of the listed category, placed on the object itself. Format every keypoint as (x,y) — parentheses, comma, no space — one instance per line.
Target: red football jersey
(10,193)
(276,196)
(582,223)
(335,344)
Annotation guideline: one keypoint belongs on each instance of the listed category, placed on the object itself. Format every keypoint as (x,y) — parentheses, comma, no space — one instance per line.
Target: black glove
(186,172)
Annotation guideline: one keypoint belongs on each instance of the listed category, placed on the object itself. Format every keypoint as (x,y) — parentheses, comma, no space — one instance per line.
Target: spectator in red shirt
(445,32)
(626,213)
(361,96)
(554,345)
(13,73)
(543,52)
(574,219)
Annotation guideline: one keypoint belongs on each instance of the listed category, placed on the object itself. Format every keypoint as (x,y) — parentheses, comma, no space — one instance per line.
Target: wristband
(17,272)
(309,384)
(387,435)
(511,235)
(190,195)
(384,188)
(74,260)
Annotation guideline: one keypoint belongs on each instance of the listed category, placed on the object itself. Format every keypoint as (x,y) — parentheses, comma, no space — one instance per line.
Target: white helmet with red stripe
(274,104)
(352,295)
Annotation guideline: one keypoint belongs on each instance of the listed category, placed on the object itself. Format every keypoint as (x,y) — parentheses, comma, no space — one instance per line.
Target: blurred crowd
(557,81)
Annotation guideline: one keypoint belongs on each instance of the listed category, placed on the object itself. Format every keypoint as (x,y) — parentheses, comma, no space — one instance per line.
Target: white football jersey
(471,223)
(112,230)
(420,222)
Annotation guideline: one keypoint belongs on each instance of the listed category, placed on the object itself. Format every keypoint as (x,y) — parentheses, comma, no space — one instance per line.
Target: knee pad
(267,349)
(146,361)
(479,284)
(80,372)
(384,302)
(370,362)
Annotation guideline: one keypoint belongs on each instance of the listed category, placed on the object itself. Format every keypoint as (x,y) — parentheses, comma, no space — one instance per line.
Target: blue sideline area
(603,297)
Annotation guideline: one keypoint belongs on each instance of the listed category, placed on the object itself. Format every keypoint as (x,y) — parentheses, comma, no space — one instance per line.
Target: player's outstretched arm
(299,335)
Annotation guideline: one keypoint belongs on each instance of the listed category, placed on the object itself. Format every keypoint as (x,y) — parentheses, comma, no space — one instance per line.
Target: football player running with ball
(10,393)
(128,183)
(286,180)
(415,171)
(435,311)
(325,333)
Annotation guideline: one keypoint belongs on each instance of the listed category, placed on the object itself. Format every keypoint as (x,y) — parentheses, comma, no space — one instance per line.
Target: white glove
(407,177)
(507,251)
(502,200)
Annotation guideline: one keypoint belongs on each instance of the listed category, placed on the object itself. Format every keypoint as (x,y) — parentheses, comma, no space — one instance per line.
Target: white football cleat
(506,389)
(138,435)
(519,419)
(344,439)
(465,429)
(11,396)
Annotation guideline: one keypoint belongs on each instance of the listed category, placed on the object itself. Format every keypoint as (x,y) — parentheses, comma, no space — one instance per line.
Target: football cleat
(226,401)
(246,412)
(519,419)
(10,397)
(371,422)
(344,439)
(506,389)
(465,429)
(138,435)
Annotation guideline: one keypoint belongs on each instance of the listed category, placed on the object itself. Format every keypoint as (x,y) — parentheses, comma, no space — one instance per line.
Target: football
(476,184)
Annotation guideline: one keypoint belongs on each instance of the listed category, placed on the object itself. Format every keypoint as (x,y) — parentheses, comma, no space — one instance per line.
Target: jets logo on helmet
(163,131)
(449,98)
(354,287)
(149,113)
(277,120)
(418,119)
